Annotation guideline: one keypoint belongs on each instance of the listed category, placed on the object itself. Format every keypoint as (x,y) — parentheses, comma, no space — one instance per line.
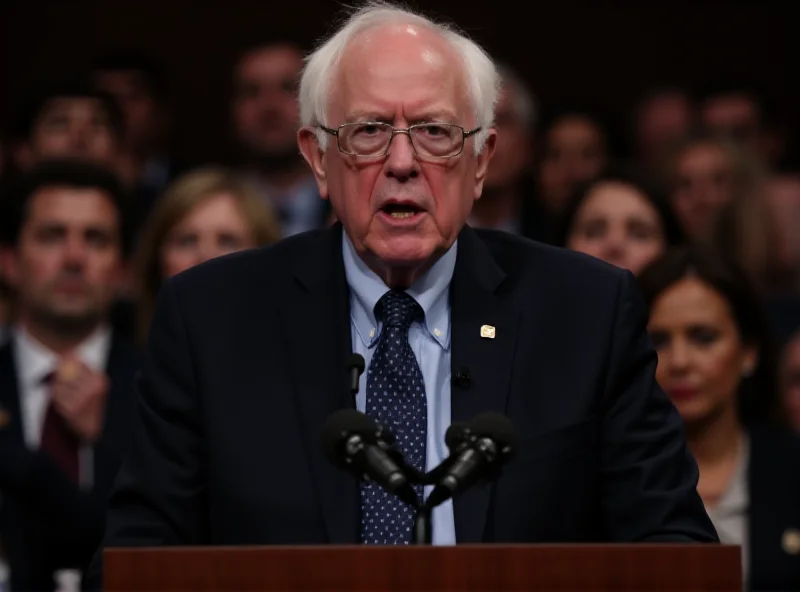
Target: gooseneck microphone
(355,366)
(478,452)
(354,442)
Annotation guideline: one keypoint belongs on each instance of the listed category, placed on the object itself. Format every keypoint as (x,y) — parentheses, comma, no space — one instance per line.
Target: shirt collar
(430,291)
(36,361)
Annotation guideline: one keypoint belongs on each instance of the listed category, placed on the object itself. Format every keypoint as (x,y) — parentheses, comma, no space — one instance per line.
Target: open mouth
(401,211)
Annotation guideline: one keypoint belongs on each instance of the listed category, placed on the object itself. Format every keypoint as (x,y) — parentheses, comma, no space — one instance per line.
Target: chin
(695,413)
(405,251)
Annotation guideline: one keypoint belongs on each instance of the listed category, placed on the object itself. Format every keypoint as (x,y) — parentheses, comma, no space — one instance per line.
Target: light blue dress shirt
(430,342)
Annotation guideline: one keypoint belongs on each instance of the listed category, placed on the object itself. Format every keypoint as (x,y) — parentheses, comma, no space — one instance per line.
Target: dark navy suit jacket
(248,358)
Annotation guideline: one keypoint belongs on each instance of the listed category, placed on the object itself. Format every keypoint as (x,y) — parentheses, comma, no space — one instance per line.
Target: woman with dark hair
(620,217)
(716,363)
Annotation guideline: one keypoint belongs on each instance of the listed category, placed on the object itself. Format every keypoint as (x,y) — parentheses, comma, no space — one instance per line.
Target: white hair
(321,66)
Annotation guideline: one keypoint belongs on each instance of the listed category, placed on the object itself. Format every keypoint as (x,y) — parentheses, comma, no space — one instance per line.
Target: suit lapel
(318,331)
(477,301)
(10,410)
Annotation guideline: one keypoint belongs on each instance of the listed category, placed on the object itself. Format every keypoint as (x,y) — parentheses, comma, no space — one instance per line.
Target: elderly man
(248,354)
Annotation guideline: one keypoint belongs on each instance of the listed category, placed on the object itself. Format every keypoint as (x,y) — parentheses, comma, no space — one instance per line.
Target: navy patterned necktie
(395,399)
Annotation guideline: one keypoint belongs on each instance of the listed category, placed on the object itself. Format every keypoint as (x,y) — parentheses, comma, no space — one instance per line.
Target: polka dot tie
(395,399)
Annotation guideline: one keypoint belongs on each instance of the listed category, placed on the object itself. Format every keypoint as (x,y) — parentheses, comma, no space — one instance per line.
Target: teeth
(402,214)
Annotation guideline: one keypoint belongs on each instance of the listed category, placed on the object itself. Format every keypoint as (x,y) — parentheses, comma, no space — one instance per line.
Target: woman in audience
(622,218)
(720,195)
(715,362)
(204,214)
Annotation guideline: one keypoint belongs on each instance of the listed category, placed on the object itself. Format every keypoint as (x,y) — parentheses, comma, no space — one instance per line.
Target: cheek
(106,266)
(104,139)
(452,191)
(41,266)
(53,142)
(662,377)
(352,189)
(639,255)
(721,370)
(174,261)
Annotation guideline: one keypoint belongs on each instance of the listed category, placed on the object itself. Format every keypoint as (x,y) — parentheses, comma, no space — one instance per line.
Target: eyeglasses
(372,139)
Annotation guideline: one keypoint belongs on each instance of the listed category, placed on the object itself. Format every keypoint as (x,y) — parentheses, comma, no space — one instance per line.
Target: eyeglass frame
(398,130)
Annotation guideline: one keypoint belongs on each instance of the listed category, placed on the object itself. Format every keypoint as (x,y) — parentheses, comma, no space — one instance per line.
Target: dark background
(604,51)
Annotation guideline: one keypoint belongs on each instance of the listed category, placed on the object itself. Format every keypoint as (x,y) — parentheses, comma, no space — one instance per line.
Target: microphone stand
(423,532)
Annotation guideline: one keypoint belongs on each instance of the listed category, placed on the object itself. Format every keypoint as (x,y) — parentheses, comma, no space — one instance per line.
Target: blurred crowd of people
(97,213)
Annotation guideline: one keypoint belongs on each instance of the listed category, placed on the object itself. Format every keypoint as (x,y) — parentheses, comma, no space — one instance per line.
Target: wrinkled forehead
(400,70)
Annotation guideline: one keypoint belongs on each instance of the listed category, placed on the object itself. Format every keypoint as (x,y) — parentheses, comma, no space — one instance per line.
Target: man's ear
(313,153)
(483,161)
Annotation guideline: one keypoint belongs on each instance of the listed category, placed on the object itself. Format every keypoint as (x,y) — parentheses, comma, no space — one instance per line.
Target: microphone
(354,442)
(355,366)
(478,451)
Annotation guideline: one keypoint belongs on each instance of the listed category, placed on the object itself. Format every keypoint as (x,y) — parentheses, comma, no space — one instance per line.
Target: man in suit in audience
(67,119)
(66,383)
(248,354)
(265,119)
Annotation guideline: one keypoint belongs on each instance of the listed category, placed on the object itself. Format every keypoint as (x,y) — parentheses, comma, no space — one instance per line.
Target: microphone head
(356,361)
(456,434)
(339,427)
(497,427)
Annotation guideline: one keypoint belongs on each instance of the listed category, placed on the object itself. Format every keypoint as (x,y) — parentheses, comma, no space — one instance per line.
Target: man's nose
(75,253)
(401,161)
(79,137)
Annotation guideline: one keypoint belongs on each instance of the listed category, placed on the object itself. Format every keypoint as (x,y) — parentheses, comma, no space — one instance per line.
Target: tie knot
(398,309)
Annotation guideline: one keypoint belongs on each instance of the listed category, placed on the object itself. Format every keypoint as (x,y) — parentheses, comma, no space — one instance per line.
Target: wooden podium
(463,568)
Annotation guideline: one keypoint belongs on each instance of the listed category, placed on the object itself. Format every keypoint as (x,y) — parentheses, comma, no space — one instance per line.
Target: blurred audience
(715,362)
(783,196)
(68,120)
(719,193)
(790,381)
(662,117)
(204,214)
(742,112)
(266,118)
(508,201)
(621,217)
(139,86)
(66,381)
(575,148)
(88,172)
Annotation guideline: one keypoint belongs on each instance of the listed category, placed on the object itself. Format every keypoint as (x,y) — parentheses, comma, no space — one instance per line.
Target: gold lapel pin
(791,541)
(488,332)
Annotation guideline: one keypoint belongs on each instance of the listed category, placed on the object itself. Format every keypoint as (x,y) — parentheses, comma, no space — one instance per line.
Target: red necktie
(59,441)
